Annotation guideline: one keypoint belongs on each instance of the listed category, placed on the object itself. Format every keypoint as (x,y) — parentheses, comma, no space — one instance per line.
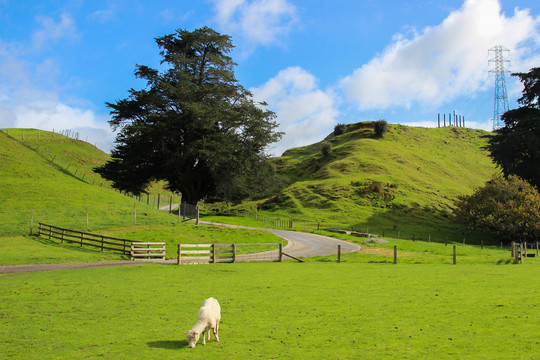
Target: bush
(339,129)
(326,149)
(510,207)
(380,127)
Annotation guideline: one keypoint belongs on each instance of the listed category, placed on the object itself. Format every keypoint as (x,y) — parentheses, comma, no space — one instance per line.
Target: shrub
(339,129)
(380,127)
(326,149)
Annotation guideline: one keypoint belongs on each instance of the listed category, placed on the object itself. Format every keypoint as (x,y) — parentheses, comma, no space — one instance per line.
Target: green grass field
(52,179)
(275,310)
(365,307)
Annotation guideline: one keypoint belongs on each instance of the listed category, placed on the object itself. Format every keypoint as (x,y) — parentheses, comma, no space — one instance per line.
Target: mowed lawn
(275,311)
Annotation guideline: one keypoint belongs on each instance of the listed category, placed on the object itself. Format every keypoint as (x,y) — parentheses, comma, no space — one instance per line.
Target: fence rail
(148,251)
(228,253)
(137,250)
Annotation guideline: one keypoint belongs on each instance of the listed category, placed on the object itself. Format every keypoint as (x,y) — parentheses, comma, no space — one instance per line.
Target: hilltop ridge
(410,176)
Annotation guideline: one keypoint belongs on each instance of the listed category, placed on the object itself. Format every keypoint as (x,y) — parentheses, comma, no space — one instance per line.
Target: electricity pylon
(500,104)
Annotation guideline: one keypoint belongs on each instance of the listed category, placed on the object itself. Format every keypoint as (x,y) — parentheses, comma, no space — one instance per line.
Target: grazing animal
(208,318)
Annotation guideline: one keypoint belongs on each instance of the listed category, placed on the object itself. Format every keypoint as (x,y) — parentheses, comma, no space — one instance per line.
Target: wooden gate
(206,253)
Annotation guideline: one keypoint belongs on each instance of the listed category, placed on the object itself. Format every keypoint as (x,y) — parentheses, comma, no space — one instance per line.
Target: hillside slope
(52,178)
(408,178)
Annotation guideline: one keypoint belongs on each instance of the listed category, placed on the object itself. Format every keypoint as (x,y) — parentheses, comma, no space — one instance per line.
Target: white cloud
(441,63)
(305,113)
(54,31)
(256,22)
(28,89)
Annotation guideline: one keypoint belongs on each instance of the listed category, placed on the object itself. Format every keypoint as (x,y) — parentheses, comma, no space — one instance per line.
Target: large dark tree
(516,146)
(193,125)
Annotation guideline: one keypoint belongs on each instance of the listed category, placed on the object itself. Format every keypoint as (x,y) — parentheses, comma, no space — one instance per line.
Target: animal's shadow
(168,344)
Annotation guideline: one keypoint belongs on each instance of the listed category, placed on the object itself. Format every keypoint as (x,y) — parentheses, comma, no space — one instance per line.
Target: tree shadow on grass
(168,344)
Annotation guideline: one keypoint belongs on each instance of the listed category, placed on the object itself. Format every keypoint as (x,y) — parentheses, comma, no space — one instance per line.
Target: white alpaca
(208,318)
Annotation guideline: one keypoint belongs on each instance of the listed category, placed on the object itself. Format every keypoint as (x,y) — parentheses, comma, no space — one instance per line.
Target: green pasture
(275,310)
(50,179)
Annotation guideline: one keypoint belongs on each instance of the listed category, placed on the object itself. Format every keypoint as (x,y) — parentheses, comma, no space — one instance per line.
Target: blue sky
(315,62)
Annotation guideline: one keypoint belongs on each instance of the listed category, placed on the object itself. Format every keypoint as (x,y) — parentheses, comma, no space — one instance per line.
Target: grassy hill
(51,175)
(404,182)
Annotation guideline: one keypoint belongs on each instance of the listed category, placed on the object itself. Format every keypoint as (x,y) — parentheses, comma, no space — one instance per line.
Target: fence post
(233,253)
(525,249)
(213,253)
(395,254)
(339,253)
(63,232)
(31,221)
(536,248)
(170,205)
(280,252)
(197,221)
(454,256)
(179,254)
(158,200)
(102,240)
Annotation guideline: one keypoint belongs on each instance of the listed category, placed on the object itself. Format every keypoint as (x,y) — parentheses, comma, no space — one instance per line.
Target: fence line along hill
(50,176)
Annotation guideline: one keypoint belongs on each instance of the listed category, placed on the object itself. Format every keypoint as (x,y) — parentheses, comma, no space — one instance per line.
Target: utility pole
(500,103)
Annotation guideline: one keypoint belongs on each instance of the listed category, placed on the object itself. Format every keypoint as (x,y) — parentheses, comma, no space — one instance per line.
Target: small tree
(510,207)
(326,149)
(380,127)
(339,129)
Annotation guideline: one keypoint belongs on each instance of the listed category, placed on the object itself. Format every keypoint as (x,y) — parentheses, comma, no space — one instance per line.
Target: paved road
(299,244)
(308,245)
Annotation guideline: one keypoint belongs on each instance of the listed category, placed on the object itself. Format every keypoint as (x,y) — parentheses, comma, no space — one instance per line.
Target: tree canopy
(515,147)
(508,206)
(193,125)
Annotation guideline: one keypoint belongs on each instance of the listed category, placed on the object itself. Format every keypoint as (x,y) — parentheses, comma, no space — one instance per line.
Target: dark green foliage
(509,207)
(326,149)
(516,146)
(380,127)
(193,126)
(339,129)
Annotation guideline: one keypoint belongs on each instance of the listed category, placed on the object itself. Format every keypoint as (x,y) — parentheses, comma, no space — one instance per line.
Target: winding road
(299,245)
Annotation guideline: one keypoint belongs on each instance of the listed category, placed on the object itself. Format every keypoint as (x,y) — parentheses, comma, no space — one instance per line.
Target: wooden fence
(206,253)
(228,253)
(148,251)
(124,246)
